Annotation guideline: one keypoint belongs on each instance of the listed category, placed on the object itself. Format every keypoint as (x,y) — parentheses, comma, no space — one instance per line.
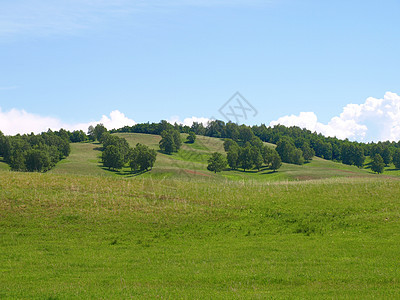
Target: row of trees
(117,153)
(252,154)
(330,148)
(33,152)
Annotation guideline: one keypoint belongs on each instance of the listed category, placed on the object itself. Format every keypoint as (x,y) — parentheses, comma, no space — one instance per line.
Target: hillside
(191,162)
(321,230)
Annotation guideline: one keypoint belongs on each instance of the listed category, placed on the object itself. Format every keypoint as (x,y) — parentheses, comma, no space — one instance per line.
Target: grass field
(321,230)
(66,236)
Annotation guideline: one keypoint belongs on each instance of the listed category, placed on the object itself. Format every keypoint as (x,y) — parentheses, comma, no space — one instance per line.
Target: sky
(328,66)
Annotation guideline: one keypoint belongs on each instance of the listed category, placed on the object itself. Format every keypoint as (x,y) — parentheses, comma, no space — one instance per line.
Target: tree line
(34,152)
(294,144)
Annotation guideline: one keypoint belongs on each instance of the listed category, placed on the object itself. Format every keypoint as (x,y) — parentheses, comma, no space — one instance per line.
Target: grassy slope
(191,161)
(83,160)
(3,166)
(66,236)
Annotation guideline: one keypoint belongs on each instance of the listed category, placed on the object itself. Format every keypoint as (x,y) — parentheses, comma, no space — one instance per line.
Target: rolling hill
(191,162)
(321,230)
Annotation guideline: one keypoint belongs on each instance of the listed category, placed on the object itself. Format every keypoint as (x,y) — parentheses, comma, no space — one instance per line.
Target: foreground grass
(64,236)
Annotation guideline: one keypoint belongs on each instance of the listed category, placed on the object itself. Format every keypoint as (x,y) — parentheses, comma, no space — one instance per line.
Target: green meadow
(321,230)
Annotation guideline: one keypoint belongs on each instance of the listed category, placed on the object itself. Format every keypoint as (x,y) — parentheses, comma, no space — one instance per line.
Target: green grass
(3,165)
(67,236)
(191,162)
(83,160)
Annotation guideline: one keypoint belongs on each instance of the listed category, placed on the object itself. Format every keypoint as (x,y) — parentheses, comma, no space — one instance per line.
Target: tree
(288,152)
(232,131)
(396,158)
(285,147)
(113,158)
(91,133)
(142,158)
(378,164)
(358,158)
(170,141)
(297,157)
(98,131)
(387,156)
(245,157)
(256,157)
(191,137)
(228,143)
(167,142)
(177,139)
(267,154)
(216,162)
(245,133)
(17,161)
(233,157)
(78,136)
(308,152)
(276,162)
(37,160)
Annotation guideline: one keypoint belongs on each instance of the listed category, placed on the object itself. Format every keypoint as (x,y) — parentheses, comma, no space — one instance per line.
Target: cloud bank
(356,120)
(19,121)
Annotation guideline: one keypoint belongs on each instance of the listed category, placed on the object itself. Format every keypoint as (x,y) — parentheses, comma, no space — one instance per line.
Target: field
(322,231)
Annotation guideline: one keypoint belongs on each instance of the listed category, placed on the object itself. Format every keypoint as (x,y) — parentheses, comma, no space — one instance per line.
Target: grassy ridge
(66,236)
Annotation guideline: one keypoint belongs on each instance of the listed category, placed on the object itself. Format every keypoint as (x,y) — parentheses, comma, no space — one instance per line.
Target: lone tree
(216,162)
(378,164)
(191,137)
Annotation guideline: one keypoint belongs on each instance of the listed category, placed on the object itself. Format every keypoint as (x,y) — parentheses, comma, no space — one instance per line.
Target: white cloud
(19,121)
(188,121)
(116,120)
(356,120)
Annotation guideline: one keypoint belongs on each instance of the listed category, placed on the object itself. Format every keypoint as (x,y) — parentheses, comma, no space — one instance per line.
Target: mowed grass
(66,236)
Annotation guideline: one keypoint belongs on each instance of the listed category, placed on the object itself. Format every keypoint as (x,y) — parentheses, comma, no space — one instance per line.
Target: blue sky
(69,63)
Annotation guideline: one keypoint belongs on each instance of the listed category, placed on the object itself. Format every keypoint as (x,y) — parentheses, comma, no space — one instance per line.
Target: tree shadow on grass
(255,171)
(392,170)
(125,173)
